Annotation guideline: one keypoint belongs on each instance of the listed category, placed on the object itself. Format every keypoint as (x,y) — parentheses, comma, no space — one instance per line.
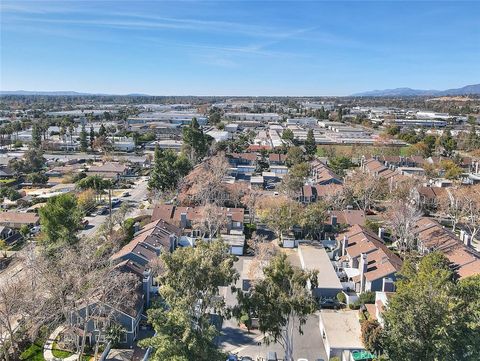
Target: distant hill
(406,92)
(60,93)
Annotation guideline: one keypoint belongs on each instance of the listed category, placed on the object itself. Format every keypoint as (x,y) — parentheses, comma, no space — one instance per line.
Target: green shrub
(341,297)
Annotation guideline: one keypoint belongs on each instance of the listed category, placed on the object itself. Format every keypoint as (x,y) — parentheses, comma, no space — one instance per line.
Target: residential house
(312,193)
(277,158)
(432,237)
(431,196)
(188,218)
(321,174)
(144,249)
(6,173)
(16,220)
(365,262)
(96,317)
(315,258)
(111,170)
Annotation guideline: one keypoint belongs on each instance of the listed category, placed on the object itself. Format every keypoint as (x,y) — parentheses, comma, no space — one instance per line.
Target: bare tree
(367,190)
(76,278)
(213,219)
(403,217)
(452,205)
(12,294)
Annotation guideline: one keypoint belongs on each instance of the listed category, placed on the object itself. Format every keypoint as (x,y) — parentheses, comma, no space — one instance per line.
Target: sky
(311,48)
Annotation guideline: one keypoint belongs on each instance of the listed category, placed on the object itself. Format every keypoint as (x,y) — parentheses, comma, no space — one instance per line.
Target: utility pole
(110,201)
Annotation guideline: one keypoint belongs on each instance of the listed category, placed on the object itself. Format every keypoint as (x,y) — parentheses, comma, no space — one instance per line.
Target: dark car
(246,358)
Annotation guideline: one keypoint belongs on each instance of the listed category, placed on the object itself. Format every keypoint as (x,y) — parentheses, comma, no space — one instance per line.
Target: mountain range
(406,92)
(396,92)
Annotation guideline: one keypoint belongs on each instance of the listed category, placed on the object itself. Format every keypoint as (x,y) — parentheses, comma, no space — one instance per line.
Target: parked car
(35,230)
(271,356)
(103,210)
(246,358)
(126,194)
(84,223)
(232,358)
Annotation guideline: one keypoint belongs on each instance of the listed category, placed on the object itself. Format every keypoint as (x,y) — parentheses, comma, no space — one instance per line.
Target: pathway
(47,348)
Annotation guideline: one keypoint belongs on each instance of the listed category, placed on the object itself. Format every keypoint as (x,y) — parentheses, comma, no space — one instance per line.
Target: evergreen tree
(36,136)
(83,139)
(92,137)
(310,145)
(340,114)
(167,170)
(194,141)
(102,132)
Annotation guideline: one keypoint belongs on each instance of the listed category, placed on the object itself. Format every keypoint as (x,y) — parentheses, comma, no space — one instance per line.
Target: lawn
(60,353)
(33,353)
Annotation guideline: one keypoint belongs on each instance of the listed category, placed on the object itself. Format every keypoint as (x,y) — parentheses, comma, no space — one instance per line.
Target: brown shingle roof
(18,217)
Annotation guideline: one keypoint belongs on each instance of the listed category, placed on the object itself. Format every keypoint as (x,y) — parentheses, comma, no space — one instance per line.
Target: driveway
(237,340)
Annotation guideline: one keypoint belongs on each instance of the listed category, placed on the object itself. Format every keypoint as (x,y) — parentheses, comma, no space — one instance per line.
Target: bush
(366,297)
(341,297)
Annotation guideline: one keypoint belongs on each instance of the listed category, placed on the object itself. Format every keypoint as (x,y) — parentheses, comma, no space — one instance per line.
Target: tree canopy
(281,301)
(60,220)
(189,288)
(433,316)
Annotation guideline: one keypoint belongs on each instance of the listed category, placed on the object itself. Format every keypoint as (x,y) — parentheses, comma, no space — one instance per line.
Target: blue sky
(238,47)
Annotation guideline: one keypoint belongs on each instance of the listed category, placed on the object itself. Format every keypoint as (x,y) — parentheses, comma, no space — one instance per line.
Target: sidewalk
(47,348)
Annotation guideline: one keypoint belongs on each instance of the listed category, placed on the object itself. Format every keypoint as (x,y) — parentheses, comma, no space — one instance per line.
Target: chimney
(467,240)
(363,269)
(334,220)
(229,223)
(462,235)
(388,285)
(344,245)
(381,232)
(183,220)
(173,242)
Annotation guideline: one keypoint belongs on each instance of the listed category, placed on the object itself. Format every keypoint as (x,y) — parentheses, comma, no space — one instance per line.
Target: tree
(86,200)
(83,139)
(168,169)
(37,178)
(287,135)
(313,218)
(450,169)
(403,217)
(293,182)
(92,137)
(60,220)
(279,213)
(310,145)
(183,325)
(195,143)
(340,114)
(212,220)
(294,156)
(24,231)
(367,190)
(281,301)
(36,136)
(102,131)
(339,164)
(429,317)
(95,182)
(372,335)
(33,161)
(448,143)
